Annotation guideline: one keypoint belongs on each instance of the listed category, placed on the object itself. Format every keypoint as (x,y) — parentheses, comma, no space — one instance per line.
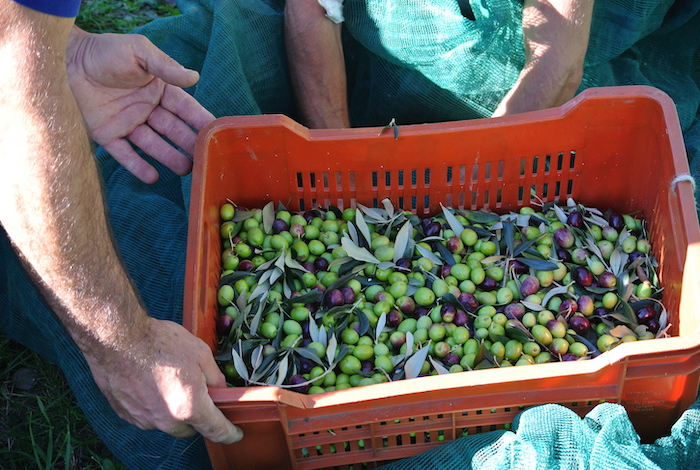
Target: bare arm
(556,34)
(316,64)
(53,212)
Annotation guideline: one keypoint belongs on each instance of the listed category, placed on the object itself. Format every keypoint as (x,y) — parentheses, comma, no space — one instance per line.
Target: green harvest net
(415,61)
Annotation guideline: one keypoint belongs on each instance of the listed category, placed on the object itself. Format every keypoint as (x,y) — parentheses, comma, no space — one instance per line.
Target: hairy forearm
(52,206)
(555,35)
(316,63)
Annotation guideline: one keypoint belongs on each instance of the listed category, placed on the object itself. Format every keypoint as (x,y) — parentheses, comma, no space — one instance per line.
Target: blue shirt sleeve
(65,8)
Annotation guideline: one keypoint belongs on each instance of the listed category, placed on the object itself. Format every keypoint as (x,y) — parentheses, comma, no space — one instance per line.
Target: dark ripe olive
(246,265)
(600,311)
(445,270)
(321,264)
(307,339)
(334,298)
(580,324)
(298,379)
(305,365)
(313,306)
(348,294)
(607,279)
(646,313)
(393,318)
(529,286)
(425,222)
(279,226)
(517,267)
(563,237)
(569,357)
(404,264)
(568,307)
(653,325)
(468,300)
(454,244)
(461,318)
(367,367)
(421,311)
(448,311)
(635,254)
(433,229)
(451,359)
(309,215)
(575,219)
(489,284)
(582,276)
(383,295)
(406,304)
(235,240)
(616,221)
(223,325)
(514,310)
(319,287)
(309,266)
(564,255)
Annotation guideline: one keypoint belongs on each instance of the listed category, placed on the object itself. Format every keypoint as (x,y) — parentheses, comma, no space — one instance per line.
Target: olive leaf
(381,322)
(331,349)
(618,260)
(401,244)
(231,278)
(255,323)
(538,264)
(388,206)
(480,217)
(310,354)
(414,364)
(364,230)
(509,236)
(625,314)
(446,254)
(362,320)
(621,330)
(429,254)
(282,370)
(592,348)
(560,214)
(441,369)
(454,224)
(532,306)
(518,334)
(358,253)
(240,365)
(555,291)
(268,216)
(314,332)
(524,246)
(409,343)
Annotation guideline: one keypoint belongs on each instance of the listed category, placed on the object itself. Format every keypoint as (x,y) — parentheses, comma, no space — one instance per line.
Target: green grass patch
(106,16)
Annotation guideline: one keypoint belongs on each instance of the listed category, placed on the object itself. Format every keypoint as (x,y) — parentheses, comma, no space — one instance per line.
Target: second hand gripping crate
(612,148)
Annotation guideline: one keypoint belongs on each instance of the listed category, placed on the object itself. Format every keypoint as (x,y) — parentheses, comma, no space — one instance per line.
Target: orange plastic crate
(617,148)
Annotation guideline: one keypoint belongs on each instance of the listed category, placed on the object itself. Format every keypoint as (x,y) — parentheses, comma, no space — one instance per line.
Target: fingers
(216,427)
(122,152)
(173,128)
(186,107)
(154,145)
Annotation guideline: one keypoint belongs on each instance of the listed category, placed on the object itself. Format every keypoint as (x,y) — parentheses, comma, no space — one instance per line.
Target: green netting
(415,61)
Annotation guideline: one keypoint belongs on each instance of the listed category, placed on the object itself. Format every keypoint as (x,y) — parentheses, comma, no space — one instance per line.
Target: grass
(41,425)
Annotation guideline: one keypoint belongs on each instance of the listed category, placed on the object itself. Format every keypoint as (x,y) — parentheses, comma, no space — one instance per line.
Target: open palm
(131,94)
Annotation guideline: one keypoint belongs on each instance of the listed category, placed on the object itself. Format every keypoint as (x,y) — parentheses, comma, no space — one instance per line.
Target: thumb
(161,65)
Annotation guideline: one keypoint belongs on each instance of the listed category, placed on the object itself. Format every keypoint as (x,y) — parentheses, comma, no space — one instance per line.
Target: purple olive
(468,300)
(367,367)
(448,311)
(246,265)
(445,270)
(334,298)
(600,311)
(454,244)
(406,304)
(616,221)
(607,279)
(223,325)
(653,325)
(489,284)
(580,324)
(585,305)
(321,264)
(433,229)
(279,226)
(421,311)
(582,276)
(563,237)
(451,359)
(461,318)
(646,313)
(514,310)
(568,307)
(297,230)
(393,318)
(569,357)
(309,266)
(575,219)
(298,379)
(564,255)
(517,267)
(529,286)
(305,365)
(348,294)
(404,264)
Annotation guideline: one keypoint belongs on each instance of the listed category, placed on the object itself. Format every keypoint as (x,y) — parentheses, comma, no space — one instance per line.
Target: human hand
(129,91)
(161,383)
